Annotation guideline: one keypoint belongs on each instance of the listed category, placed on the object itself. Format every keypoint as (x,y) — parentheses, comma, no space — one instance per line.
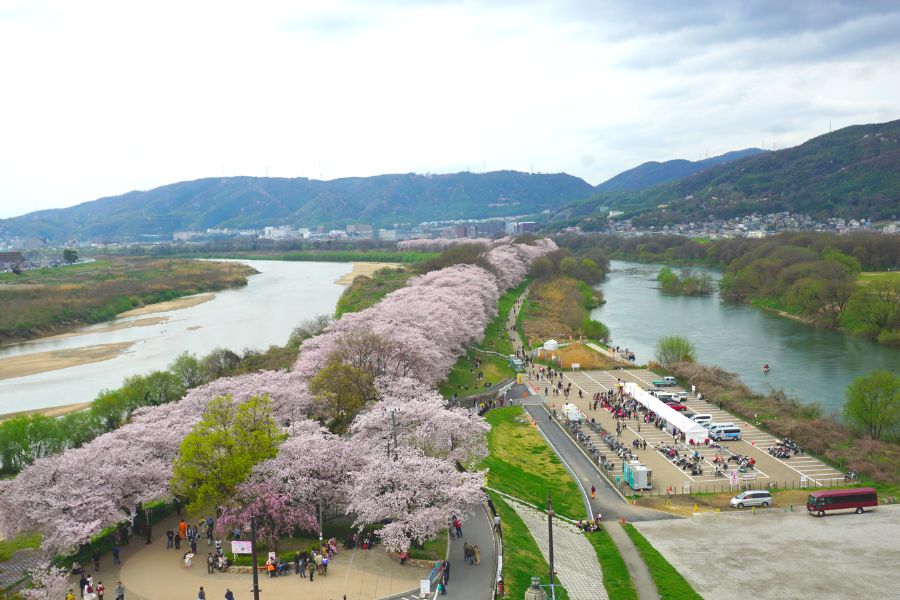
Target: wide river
(262,313)
(812,365)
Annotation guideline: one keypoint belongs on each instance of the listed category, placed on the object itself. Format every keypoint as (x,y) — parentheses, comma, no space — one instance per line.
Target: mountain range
(853,172)
(254,202)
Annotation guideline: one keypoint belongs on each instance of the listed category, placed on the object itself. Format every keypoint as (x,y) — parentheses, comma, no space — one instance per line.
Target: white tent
(673,418)
(551,345)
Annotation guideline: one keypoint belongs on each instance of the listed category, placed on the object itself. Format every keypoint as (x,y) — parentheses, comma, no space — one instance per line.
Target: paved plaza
(776,554)
(793,472)
(151,572)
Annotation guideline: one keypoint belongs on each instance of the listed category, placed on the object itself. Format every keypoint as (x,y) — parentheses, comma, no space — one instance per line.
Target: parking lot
(796,471)
(777,554)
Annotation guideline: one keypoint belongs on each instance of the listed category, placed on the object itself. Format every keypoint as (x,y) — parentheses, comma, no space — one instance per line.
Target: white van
(665,396)
(725,433)
(752,498)
(700,419)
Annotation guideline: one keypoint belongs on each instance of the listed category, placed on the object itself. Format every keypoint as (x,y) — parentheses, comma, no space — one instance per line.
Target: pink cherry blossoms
(423,328)
(439,244)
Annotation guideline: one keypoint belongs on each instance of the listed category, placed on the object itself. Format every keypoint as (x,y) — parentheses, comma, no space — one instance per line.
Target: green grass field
(8,547)
(522,559)
(616,579)
(521,464)
(669,582)
(870,277)
(368,291)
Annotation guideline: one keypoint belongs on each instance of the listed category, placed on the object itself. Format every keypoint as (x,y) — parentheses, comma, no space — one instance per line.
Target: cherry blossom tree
(416,495)
(276,513)
(51,583)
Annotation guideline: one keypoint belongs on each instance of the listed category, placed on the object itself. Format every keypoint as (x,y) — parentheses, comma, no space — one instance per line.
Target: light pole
(550,532)
(255,589)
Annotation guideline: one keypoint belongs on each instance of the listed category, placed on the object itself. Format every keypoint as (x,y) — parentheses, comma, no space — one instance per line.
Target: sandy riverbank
(363,268)
(145,322)
(40,362)
(176,304)
(56,411)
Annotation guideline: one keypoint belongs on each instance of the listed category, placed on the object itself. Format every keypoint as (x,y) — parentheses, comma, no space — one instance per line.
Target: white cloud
(104,97)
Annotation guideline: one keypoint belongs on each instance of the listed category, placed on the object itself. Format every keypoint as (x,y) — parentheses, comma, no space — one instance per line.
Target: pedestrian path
(575,560)
(475,582)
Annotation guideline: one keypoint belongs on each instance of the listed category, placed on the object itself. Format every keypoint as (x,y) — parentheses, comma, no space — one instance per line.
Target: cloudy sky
(100,98)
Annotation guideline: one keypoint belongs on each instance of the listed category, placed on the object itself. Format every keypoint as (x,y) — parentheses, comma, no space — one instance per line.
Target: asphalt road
(608,501)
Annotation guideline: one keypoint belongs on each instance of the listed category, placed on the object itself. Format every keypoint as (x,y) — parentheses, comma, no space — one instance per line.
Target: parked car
(752,498)
(677,406)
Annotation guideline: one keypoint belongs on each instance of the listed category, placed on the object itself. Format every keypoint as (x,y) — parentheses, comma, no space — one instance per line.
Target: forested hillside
(247,202)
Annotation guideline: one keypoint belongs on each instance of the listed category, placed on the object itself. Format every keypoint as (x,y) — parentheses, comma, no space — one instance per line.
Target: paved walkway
(18,566)
(574,558)
(474,582)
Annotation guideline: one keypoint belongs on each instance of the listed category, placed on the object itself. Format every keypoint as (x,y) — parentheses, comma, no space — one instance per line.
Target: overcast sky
(100,98)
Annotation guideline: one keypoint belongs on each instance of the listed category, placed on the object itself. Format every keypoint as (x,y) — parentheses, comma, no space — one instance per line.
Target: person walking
(100,590)
(210,564)
(457,524)
(177,541)
(593,492)
(201,595)
(96,558)
(170,538)
(120,591)
(115,552)
(228,594)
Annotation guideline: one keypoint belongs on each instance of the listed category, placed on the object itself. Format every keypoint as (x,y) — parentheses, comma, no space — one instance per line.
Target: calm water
(810,364)
(256,316)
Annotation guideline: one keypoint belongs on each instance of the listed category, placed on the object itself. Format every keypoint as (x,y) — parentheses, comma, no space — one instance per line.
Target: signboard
(238,547)
(733,477)
(424,588)
(576,366)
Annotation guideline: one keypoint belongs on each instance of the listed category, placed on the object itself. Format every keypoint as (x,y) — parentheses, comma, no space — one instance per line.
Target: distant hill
(853,173)
(653,173)
(248,202)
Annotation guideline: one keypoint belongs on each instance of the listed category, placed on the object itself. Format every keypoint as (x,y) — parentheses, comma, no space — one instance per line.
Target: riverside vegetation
(846,282)
(50,300)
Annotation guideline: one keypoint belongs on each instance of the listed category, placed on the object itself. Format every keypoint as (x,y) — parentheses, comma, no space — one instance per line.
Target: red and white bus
(856,499)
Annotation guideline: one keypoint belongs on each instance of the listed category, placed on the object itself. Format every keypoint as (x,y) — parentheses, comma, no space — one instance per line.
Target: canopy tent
(551,345)
(673,418)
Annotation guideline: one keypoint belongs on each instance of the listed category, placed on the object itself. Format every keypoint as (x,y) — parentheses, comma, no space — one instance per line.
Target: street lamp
(255,589)
(535,592)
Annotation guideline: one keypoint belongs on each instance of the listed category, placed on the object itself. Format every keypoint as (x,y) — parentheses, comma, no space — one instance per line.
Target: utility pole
(256,589)
(550,531)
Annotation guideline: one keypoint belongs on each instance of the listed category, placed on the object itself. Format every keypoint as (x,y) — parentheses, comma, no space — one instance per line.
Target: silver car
(752,498)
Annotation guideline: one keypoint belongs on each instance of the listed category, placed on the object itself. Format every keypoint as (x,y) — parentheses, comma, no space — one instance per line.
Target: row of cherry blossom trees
(408,342)
(438,245)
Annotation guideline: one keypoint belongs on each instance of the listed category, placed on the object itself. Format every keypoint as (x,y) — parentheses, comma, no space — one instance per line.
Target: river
(261,314)
(812,365)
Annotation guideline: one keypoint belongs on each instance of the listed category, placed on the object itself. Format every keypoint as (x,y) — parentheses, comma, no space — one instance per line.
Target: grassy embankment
(669,582)
(462,379)
(522,465)
(557,309)
(368,291)
(616,579)
(51,300)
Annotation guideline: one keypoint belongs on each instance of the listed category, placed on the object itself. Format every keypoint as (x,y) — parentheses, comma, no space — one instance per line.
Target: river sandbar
(145,322)
(41,362)
(56,411)
(364,268)
(168,305)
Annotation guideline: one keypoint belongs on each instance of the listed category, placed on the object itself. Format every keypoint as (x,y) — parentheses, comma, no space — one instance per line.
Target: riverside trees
(416,334)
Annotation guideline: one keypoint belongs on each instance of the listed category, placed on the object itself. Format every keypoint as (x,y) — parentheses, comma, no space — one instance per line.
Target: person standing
(120,591)
(115,552)
(458,525)
(210,564)
(100,590)
(177,541)
(201,595)
(593,492)
(228,594)
(96,558)
(182,529)
(170,538)
(82,583)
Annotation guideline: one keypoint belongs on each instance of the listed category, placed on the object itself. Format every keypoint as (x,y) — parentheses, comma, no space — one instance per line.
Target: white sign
(238,547)
(733,477)
(576,366)
(424,588)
